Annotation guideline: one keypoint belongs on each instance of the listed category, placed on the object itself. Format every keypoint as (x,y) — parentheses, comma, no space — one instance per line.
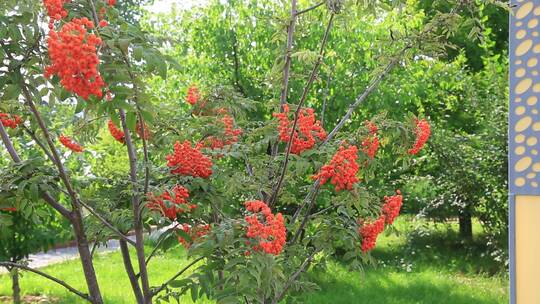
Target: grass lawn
(430,267)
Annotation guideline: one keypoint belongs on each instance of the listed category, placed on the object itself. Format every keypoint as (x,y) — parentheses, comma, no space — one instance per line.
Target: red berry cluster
(189,161)
(10,209)
(70,144)
(308,129)
(422,131)
(116,132)
(10,120)
(193,95)
(195,233)
(102,11)
(271,233)
(341,170)
(229,136)
(177,202)
(370,145)
(55,10)
(392,207)
(369,232)
(73,54)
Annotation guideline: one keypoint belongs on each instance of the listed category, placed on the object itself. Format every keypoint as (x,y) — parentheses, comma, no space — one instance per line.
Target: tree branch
(303,267)
(56,157)
(47,276)
(306,217)
(38,142)
(141,121)
(310,8)
(288,51)
(369,89)
(326,96)
(139,237)
(106,223)
(130,272)
(156,247)
(275,193)
(159,289)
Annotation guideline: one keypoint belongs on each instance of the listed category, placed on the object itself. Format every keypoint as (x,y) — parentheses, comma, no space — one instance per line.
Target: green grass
(429,267)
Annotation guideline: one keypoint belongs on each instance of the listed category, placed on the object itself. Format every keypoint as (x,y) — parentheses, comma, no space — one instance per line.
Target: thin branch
(286,73)
(325,210)
(362,97)
(312,77)
(158,290)
(139,237)
(289,283)
(130,272)
(307,199)
(306,217)
(56,157)
(106,223)
(9,145)
(310,8)
(156,247)
(141,121)
(47,276)
(288,53)
(38,142)
(326,96)
(236,61)
(94,12)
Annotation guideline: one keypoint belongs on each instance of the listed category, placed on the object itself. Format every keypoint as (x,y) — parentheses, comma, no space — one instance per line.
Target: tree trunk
(465,223)
(130,272)
(15,286)
(86,258)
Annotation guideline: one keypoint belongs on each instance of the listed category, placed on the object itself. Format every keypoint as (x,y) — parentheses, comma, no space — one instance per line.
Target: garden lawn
(426,265)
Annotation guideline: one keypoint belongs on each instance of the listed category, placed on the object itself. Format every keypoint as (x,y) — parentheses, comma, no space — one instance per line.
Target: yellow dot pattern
(524,130)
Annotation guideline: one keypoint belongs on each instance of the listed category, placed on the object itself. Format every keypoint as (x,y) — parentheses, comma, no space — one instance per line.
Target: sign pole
(523,150)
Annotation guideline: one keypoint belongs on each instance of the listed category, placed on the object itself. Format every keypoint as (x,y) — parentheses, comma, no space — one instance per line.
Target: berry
(193,95)
(195,233)
(370,144)
(103,23)
(116,132)
(74,59)
(177,202)
(70,144)
(270,233)
(189,161)
(229,136)
(10,120)
(55,10)
(369,231)
(308,128)
(111,2)
(392,207)
(341,170)
(422,131)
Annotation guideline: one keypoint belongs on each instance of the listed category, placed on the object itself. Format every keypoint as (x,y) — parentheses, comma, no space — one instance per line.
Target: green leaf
(11,91)
(123,44)
(131,119)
